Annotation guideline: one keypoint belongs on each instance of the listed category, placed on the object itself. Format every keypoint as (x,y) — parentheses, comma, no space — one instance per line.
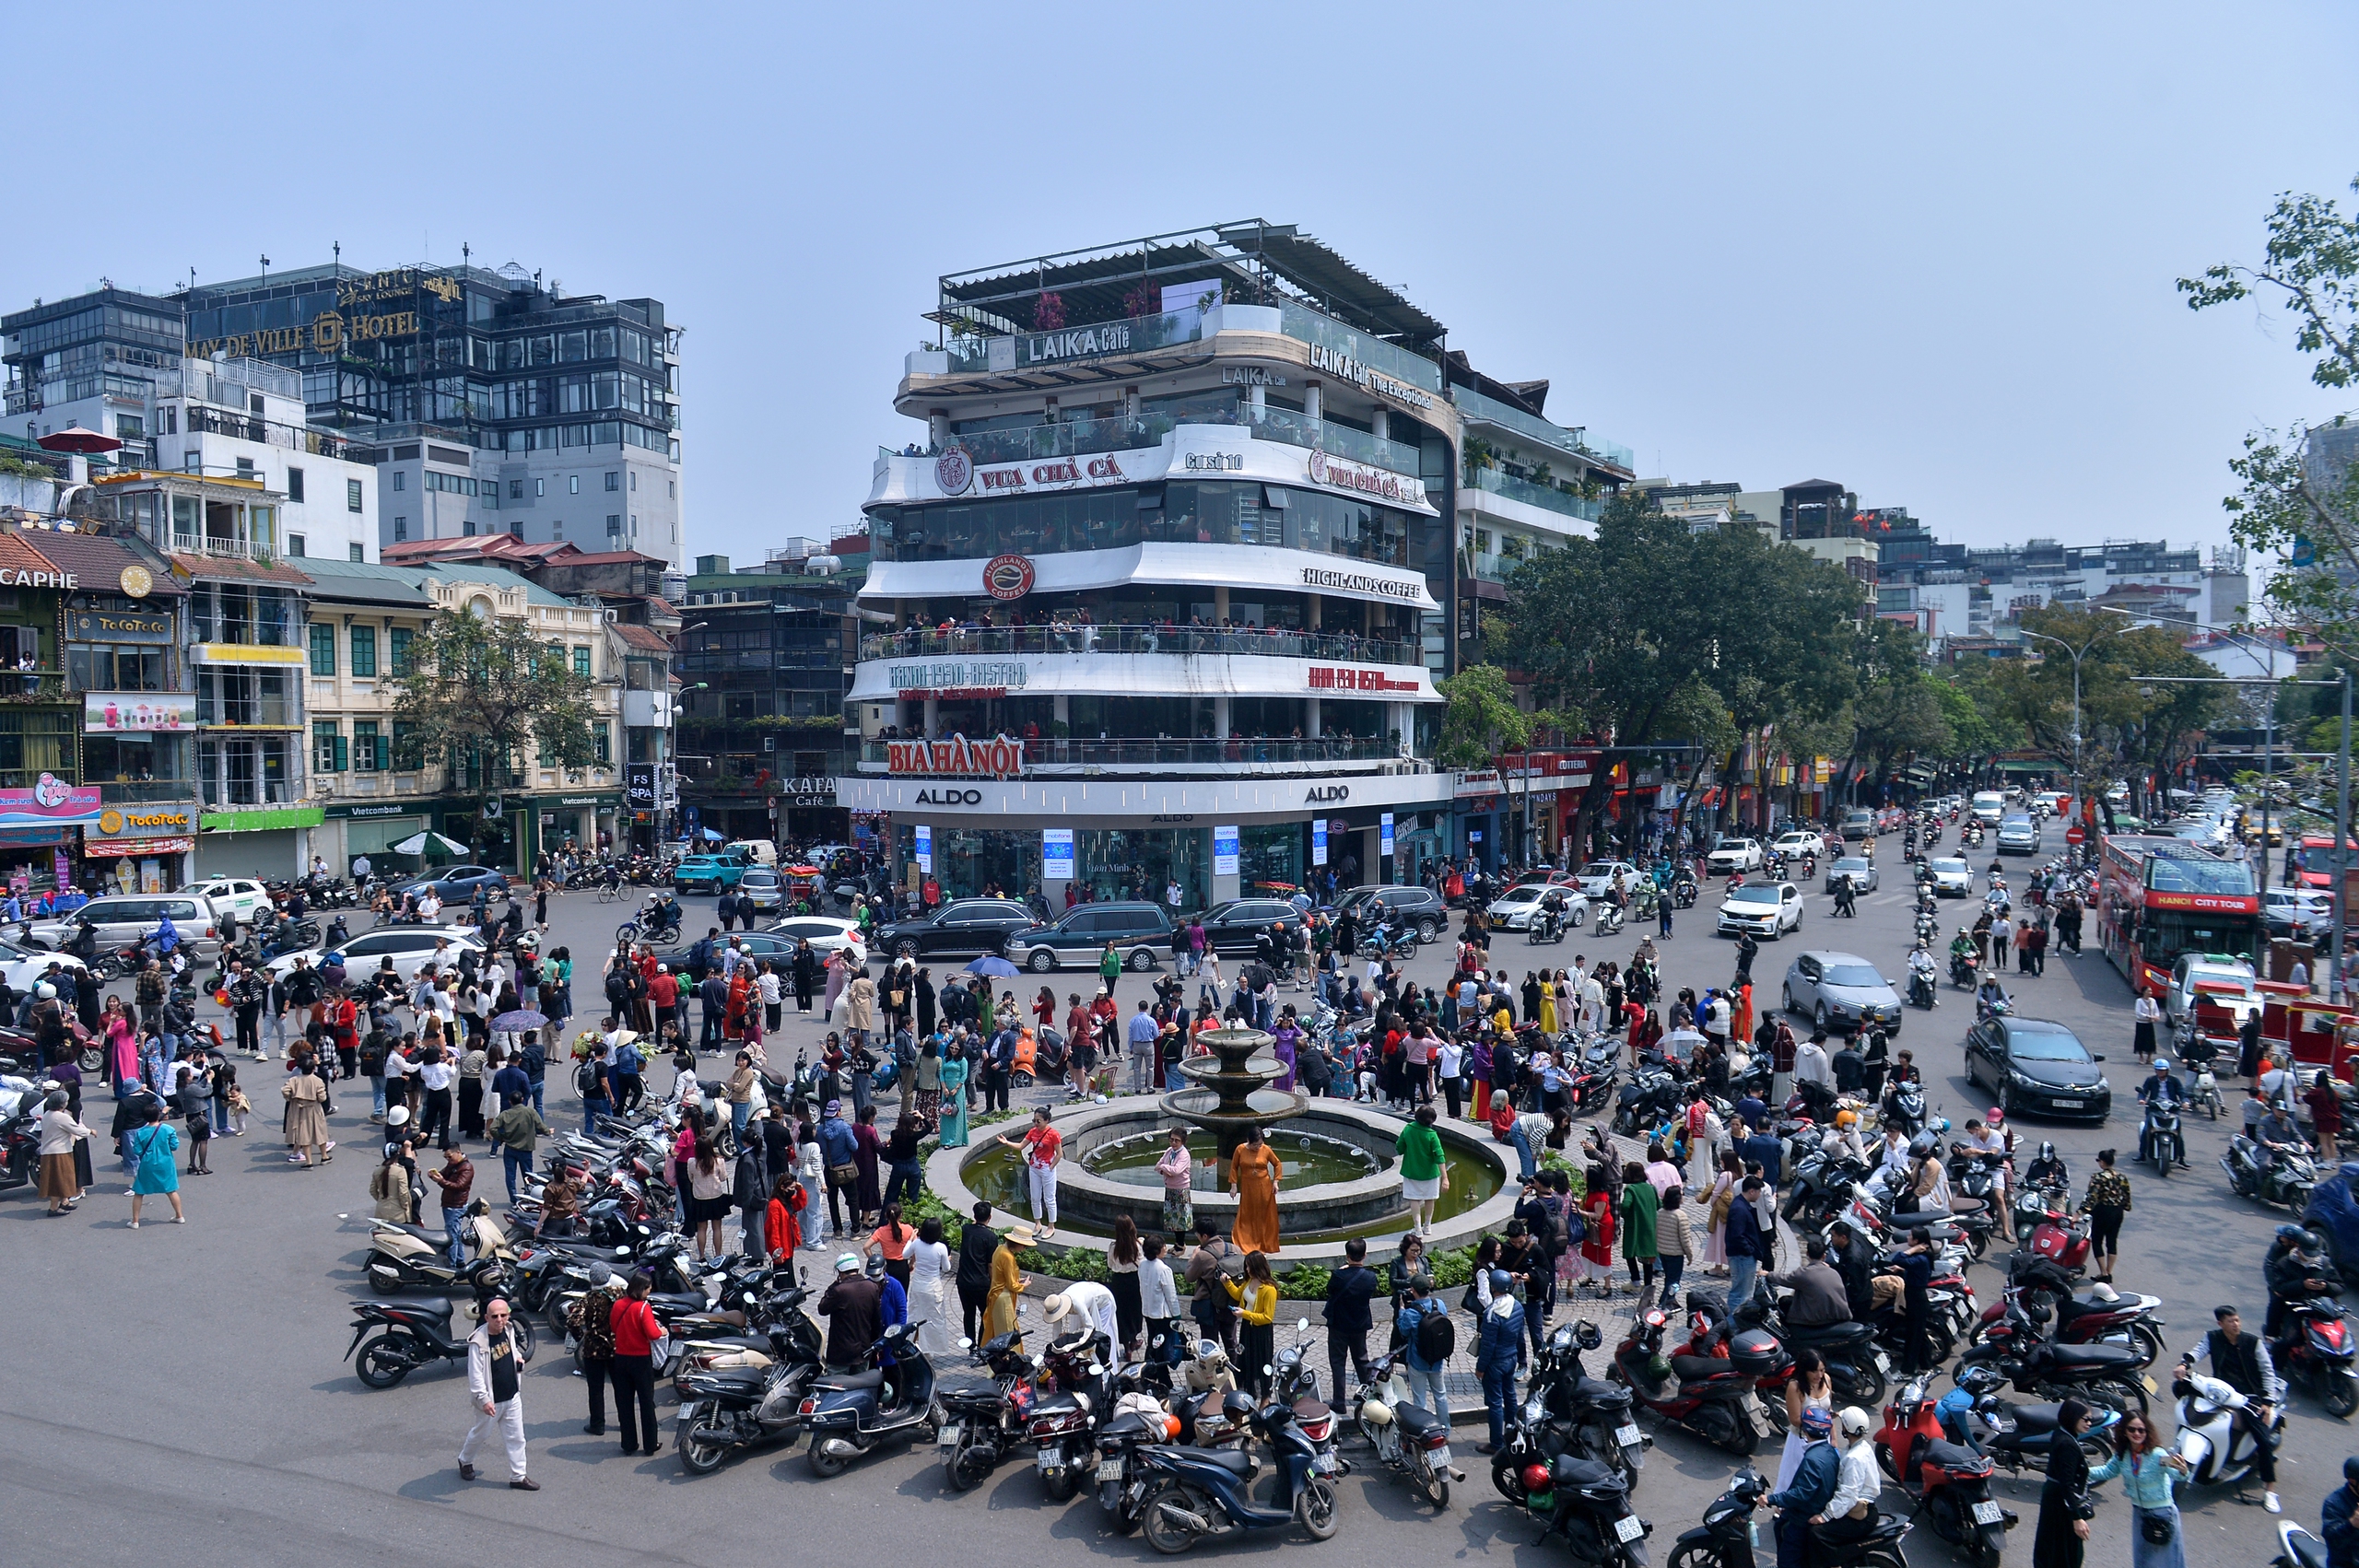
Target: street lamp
(2269,721)
(2078,654)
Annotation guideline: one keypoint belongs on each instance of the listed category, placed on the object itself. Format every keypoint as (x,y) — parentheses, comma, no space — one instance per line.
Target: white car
(1768,909)
(410,947)
(2193,970)
(1515,909)
(24,965)
(825,934)
(1594,878)
(1729,854)
(235,893)
(1798,842)
(1953,878)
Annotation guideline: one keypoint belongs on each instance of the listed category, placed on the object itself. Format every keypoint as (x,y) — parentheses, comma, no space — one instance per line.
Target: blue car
(457,884)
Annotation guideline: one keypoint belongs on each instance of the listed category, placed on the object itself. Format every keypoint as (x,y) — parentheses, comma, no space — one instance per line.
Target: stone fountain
(1231,1094)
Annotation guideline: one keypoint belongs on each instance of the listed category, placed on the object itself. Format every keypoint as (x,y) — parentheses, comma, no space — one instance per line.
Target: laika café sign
(957,757)
(1335,362)
(1341,475)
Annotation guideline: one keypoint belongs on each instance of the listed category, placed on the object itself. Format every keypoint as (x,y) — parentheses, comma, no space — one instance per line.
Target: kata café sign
(1343,678)
(350,321)
(957,757)
(958,678)
(1335,362)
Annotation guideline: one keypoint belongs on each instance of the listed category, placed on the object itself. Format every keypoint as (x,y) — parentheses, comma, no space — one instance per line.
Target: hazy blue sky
(1928,256)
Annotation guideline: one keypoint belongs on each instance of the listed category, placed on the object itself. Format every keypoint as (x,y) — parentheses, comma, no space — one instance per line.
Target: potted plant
(1048,312)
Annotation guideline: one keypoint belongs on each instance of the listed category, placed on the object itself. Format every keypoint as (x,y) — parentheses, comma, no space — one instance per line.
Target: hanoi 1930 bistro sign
(958,678)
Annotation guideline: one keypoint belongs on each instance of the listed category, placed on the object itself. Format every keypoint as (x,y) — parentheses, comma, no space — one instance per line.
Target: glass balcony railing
(1029,443)
(144,792)
(1307,325)
(1278,643)
(1536,495)
(1237,751)
(1338,440)
(1490,411)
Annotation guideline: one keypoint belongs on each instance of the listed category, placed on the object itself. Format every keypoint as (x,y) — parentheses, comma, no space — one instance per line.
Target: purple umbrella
(516,1023)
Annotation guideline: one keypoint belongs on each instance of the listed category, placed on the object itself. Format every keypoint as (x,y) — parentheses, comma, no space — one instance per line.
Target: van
(754,851)
(1987,805)
(122,921)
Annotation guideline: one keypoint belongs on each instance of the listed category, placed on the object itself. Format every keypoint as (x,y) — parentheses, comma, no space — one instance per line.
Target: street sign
(2074,835)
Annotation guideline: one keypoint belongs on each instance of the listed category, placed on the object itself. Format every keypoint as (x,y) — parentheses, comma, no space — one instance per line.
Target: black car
(2034,1065)
(1138,931)
(1420,907)
(1235,927)
(964,928)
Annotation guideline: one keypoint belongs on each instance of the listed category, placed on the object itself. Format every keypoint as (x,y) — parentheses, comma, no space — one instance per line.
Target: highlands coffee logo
(1007,577)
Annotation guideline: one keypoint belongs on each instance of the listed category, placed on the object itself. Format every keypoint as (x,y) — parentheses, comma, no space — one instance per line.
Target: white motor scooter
(2219,1449)
(2296,1548)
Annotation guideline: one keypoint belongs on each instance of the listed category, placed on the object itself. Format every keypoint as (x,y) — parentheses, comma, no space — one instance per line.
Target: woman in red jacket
(782,1232)
(636,1332)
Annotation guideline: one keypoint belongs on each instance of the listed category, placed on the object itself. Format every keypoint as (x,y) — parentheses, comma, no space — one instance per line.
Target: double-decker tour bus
(2161,898)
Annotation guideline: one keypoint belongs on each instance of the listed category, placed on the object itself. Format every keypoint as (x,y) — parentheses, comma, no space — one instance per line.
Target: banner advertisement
(1056,854)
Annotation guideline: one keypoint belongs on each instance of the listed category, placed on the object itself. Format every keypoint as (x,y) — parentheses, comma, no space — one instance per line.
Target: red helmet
(1536,1477)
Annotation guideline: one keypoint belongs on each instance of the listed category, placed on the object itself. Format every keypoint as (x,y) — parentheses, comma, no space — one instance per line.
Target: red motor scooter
(1709,1395)
(1951,1483)
(2104,1317)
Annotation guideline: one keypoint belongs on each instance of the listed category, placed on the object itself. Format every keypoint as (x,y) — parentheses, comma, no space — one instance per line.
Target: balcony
(1077,436)
(1237,755)
(294,437)
(222,544)
(1545,497)
(146,792)
(1280,643)
(32,685)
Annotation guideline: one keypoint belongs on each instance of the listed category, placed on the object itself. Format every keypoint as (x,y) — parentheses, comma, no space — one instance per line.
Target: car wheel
(1575,917)
(1788,1000)
(1041,961)
(1819,1018)
(1142,960)
(905,950)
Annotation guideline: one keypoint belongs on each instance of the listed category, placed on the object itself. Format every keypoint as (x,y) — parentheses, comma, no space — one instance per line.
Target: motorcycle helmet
(2311,1248)
(1536,1478)
(1981,1379)
(1501,1284)
(1852,1421)
(1921,1145)
(1586,1336)
(1237,1407)
(2292,1234)
(1375,1412)
(2162,1064)
(1818,1419)
(1847,1119)
(45,991)
(2047,1151)
(1995,1117)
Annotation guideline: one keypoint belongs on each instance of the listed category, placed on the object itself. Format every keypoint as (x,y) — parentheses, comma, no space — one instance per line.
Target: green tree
(1481,720)
(484,689)
(2127,724)
(2288,504)
(1979,729)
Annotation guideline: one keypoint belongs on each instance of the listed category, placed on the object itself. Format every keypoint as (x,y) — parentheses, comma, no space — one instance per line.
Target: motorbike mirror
(1302,1325)
(1097,1371)
(2097,1056)
(624,1251)
(1267,1370)
(964,1343)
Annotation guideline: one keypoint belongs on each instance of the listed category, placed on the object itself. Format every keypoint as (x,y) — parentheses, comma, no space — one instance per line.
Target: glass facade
(972,862)
(1125,862)
(1272,859)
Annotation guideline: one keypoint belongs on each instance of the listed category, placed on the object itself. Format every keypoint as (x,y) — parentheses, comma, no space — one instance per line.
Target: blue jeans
(123,1091)
(1522,1147)
(591,1109)
(377,1086)
(737,1115)
(1740,1274)
(454,1223)
(536,1097)
(1498,1396)
(1424,1388)
(905,1182)
(221,1109)
(518,1163)
(1172,1080)
(1663,915)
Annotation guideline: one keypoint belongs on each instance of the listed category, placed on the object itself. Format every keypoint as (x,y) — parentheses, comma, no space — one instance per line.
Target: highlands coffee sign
(957,757)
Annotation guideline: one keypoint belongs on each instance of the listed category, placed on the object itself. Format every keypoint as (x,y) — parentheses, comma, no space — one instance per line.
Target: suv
(1135,929)
(714,873)
(130,919)
(964,928)
(1419,909)
(1730,853)
(1234,928)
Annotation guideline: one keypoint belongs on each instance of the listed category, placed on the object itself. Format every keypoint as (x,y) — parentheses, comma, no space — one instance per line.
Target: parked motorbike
(1588,1505)
(1725,1538)
(412,1258)
(1567,1412)
(982,1426)
(411,1335)
(2321,1357)
(2020,1435)
(1854,1364)
(850,1415)
(2095,1374)
(2104,1316)
(1201,1494)
(726,1408)
(1711,1396)
(2255,1172)
(1406,1436)
(1950,1482)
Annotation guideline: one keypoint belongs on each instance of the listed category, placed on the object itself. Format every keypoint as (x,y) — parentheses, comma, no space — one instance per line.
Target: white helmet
(1375,1412)
(45,991)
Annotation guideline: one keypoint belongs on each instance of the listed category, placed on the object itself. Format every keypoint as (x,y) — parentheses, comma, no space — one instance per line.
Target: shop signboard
(1319,841)
(102,625)
(639,785)
(924,836)
(118,848)
(50,803)
(133,713)
(1224,856)
(115,823)
(1056,854)
(1385,848)
(245,653)
(957,757)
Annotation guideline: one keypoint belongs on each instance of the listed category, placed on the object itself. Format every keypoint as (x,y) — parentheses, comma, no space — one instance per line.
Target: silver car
(1841,992)
(1861,869)
(761,885)
(125,920)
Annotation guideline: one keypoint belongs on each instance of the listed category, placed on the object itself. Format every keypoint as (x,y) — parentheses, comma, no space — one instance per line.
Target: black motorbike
(2110,1375)
(1566,1411)
(2160,1141)
(1725,1538)
(982,1425)
(724,1409)
(414,1334)
(1193,1494)
(2256,1172)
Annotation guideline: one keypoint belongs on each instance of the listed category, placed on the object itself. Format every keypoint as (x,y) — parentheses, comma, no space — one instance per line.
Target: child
(239,1108)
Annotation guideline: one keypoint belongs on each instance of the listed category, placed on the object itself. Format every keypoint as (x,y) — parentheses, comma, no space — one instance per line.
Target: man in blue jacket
(837,1146)
(1750,1247)
(2338,1520)
(1812,1487)
(1349,1289)
(1500,1354)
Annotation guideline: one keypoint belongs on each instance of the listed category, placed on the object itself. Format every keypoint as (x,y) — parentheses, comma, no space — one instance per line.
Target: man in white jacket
(493,1376)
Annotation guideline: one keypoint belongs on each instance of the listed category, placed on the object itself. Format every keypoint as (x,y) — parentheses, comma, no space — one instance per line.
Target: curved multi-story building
(1160,600)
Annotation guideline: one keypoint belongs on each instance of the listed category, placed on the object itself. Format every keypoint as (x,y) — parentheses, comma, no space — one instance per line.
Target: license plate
(949,1438)
(1109,1469)
(1049,1459)
(2066,1104)
(1986,1514)
(1629,1436)
(1324,1463)
(1629,1527)
(1441,1456)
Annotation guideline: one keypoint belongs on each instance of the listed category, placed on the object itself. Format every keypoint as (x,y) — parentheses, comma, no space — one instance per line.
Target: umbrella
(993,967)
(516,1023)
(714,835)
(416,842)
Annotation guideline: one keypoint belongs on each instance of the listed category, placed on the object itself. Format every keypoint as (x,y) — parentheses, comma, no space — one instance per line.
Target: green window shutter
(364,652)
(323,648)
(581,662)
(398,639)
(340,757)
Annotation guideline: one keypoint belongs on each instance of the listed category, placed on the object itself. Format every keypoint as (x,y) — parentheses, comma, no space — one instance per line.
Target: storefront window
(974,862)
(1142,863)
(134,759)
(1269,860)
(245,772)
(35,743)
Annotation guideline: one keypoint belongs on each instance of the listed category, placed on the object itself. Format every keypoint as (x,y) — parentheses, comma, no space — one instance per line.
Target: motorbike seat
(739,1379)
(1415,1420)
(1130,1423)
(429,1306)
(1597,1392)
(1691,1369)
(436,1239)
(1584,1475)
(841,1381)
(2309,1551)
(1850,1333)
(1955,1457)
(2032,1421)
(1236,1461)
(677,1300)
(2093,1356)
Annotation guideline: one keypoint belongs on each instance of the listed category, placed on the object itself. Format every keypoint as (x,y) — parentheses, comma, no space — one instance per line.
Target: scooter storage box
(1756,1351)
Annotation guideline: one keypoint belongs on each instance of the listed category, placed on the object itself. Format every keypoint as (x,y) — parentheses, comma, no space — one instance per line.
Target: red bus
(2160,898)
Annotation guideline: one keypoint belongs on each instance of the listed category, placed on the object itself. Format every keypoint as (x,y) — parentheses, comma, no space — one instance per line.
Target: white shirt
(436,1075)
(1856,1481)
(1158,1293)
(1451,1058)
(1095,1302)
(929,1262)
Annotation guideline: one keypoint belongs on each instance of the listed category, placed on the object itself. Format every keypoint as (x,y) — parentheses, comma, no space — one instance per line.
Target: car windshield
(1853,864)
(2045,1045)
(1601,870)
(1760,892)
(1732,844)
(1958,867)
(1521,895)
(1853,975)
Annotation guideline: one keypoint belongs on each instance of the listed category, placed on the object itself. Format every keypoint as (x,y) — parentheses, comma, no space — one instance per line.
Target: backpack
(1560,1220)
(588,1083)
(1437,1336)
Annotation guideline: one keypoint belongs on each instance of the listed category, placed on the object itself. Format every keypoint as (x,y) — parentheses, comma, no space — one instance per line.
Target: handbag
(2155,1526)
